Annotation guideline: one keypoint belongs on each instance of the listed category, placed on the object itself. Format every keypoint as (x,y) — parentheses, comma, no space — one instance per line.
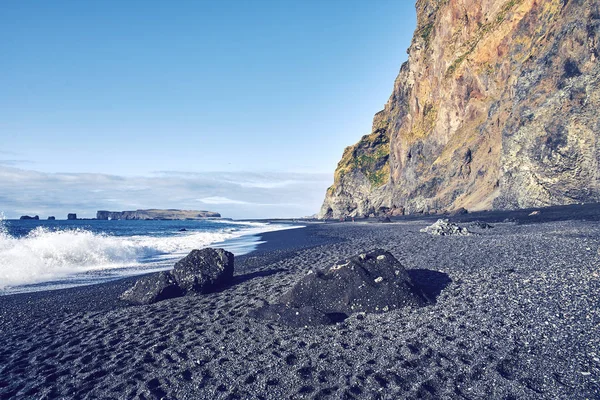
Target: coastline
(514,317)
(104,296)
(140,252)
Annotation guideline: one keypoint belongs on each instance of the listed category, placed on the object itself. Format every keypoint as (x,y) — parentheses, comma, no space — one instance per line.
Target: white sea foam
(48,255)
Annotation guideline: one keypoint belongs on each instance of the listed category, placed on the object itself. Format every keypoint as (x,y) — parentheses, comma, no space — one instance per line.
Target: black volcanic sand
(516,316)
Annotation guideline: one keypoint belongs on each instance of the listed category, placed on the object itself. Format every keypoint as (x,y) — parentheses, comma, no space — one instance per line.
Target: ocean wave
(45,255)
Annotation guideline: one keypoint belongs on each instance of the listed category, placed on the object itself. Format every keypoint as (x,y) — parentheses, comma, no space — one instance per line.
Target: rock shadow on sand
(253,275)
(430,282)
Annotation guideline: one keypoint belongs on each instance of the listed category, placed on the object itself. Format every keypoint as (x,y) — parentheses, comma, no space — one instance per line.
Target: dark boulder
(152,288)
(481,225)
(371,282)
(385,220)
(203,271)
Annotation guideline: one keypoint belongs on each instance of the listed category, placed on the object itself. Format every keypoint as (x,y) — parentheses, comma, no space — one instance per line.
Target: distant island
(154,214)
(27,217)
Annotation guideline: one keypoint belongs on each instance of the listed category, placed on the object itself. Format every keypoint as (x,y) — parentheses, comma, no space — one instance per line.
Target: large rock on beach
(203,271)
(370,282)
(442,227)
(152,288)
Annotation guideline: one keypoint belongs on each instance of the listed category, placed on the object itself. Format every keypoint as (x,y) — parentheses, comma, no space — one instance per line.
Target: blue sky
(173,96)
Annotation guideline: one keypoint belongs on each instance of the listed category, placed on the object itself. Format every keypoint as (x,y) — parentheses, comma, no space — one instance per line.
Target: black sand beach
(516,316)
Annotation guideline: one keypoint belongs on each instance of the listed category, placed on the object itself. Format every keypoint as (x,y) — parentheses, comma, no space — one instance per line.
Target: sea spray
(44,255)
(52,255)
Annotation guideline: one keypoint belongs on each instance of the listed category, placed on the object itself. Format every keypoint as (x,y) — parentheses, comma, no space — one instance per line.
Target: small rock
(397,211)
(481,225)
(444,228)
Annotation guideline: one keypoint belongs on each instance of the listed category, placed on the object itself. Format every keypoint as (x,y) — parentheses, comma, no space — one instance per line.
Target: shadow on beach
(430,282)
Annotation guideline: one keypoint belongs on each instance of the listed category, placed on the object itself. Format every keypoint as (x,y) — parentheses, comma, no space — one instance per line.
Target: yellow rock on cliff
(496,107)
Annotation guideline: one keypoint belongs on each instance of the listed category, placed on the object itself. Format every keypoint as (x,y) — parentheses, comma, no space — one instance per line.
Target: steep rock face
(496,107)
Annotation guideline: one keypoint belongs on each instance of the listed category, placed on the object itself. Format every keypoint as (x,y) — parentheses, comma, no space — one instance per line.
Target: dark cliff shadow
(430,282)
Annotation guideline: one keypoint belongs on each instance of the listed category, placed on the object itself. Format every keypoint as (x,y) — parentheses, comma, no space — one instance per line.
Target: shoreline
(515,316)
(104,295)
(248,241)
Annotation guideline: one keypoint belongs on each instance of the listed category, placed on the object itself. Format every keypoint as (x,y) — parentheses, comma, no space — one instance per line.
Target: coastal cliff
(156,214)
(496,107)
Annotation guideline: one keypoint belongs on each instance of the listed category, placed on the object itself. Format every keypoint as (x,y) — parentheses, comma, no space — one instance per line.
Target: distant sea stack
(71,217)
(496,108)
(27,217)
(51,218)
(157,215)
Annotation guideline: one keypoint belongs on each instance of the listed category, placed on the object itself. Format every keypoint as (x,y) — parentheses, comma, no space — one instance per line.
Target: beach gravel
(515,315)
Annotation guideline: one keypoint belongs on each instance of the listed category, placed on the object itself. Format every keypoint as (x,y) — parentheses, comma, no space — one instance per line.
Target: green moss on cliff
(426,34)
(370,156)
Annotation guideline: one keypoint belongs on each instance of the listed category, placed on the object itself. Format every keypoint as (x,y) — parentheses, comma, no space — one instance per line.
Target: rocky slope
(496,107)
(157,214)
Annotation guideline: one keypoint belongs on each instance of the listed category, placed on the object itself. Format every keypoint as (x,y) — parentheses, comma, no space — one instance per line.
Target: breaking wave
(45,255)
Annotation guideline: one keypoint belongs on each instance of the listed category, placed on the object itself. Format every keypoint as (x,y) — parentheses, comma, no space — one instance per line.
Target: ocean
(47,255)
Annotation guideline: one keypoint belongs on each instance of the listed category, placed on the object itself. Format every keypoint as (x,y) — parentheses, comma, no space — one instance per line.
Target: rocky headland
(496,108)
(170,214)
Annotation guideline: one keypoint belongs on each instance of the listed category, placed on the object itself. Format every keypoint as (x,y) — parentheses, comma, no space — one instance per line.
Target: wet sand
(516,315)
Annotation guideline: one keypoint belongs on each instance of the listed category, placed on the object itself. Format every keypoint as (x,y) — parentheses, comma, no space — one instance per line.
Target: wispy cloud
(237,195)
(12,163)
(221,200)
(12,159)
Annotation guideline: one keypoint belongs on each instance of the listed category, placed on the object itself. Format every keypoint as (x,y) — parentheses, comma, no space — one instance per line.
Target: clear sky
(168,96)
